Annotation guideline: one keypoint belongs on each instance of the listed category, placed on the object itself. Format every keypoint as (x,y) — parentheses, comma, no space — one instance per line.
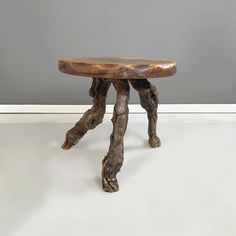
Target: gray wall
(199,34)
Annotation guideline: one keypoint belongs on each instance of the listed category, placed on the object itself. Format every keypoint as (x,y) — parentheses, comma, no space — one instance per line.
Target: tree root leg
(115,156)
(149,101)
(93,116)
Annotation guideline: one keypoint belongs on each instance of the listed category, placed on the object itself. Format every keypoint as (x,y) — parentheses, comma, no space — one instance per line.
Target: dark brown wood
(93,116)
(149,101)
(115,156)
(117,68)
(119,72)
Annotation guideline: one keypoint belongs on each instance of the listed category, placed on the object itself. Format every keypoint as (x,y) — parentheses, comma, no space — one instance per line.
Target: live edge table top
(117,68)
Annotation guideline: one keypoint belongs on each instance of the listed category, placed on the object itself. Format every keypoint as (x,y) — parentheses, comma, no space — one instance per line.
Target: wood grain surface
(117,68)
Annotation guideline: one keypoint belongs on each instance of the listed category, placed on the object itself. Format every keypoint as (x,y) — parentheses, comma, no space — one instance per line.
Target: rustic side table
(119,72)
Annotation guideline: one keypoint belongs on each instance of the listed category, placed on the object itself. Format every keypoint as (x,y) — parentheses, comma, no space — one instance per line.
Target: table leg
(93,116)
(149,101)
(115,156)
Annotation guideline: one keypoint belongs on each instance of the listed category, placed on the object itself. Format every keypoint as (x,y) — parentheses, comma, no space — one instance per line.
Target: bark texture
(93,116)
(149,101)
(115,156)
(113,161)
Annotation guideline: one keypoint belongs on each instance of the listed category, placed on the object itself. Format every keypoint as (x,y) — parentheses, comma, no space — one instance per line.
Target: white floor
(187,187)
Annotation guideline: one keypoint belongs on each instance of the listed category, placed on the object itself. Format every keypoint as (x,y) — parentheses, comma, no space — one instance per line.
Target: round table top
(117,68)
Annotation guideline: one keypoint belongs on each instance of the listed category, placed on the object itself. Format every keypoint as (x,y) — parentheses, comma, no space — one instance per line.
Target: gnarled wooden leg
(93,116)
(149,101)
(115,156)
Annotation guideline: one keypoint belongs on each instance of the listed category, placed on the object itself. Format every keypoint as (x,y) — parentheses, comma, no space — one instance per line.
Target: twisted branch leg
(149,101)
(115,156)
(93,116)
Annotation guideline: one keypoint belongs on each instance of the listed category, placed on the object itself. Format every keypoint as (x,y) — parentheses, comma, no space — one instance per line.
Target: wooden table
(119,72)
